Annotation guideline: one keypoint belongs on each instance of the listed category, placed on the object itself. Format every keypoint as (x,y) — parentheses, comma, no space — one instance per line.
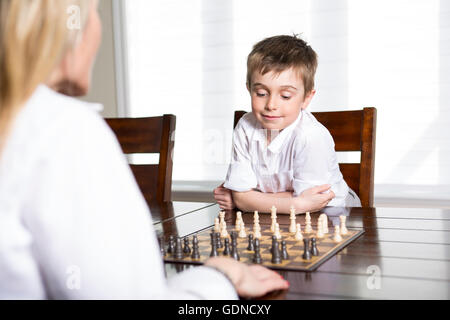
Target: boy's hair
(280,53)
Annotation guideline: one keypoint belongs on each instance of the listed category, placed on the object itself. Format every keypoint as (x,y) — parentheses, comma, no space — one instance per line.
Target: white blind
(189,58)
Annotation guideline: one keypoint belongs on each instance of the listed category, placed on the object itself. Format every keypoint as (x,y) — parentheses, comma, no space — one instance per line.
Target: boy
(282,155)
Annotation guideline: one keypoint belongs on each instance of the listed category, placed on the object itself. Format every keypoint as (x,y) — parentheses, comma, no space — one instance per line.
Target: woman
(73,223)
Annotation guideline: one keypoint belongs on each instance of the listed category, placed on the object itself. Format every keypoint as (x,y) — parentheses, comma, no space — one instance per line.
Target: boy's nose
(271,105)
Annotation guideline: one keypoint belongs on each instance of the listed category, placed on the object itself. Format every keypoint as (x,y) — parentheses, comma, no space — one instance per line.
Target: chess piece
(195,252)
(219,244)
(292,226)
(284,253)
(343,227)
(226,249)
(216,225)
(306,252)
(308,228)
(214,252)
(162,245)
(238,220)
(257,231)
(337,234)
(223,231)
(178,249)
(276,256)
(256,217)
(319,233)
(242,233)
(234,252)
(257,256)
(222,218)
(171,248)
(325,223)
(277,233)
(314,250)
(250,246)
(186,248)
(298,232)
(273,216)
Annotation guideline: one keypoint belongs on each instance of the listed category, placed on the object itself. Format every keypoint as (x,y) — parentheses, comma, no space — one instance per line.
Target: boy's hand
(314,199)
(224,198)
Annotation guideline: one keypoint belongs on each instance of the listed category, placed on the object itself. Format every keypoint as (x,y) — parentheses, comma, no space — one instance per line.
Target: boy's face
(278,98)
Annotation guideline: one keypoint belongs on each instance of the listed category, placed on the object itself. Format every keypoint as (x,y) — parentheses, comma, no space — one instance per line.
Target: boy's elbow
(238,198)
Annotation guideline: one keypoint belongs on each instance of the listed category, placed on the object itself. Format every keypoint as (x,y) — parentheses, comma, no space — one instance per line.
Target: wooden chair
(351,131)
(149,135)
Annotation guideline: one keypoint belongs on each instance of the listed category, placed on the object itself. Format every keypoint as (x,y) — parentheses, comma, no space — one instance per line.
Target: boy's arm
(310,200)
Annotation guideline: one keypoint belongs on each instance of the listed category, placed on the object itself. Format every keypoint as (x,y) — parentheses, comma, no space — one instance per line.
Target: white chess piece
(292,226)
(337,234)
(242,233)
(308,228)
(343,227)
(324,223)
(320,234)
(238,220)
(277,233)
(224,232)
(257,231)
(216,225)
(298,232)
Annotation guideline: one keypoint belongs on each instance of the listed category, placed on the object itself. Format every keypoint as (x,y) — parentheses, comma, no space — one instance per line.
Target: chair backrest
(149,135)
(351,131)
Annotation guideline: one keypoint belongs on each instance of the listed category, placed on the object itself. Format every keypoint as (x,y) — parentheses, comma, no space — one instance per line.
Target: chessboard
(326,246)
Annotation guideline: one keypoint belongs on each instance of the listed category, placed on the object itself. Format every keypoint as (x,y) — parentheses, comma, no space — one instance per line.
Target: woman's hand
(249,280)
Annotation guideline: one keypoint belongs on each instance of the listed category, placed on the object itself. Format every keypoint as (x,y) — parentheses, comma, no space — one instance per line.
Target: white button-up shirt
(73,223)
(299,157)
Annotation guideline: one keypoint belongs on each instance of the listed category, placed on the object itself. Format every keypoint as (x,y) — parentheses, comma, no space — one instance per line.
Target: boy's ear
(248,86)
(308,99)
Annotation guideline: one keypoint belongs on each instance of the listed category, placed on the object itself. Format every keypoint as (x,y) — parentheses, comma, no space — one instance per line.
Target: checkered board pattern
(326,246)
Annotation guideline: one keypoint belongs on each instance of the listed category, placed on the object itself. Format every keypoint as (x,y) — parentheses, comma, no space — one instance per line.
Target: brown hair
(280,53)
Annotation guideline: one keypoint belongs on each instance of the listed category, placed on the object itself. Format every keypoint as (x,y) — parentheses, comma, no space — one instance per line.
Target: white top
(73,223)
(299,157)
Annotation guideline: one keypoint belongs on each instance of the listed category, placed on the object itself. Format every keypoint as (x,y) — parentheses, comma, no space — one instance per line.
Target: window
(189,58)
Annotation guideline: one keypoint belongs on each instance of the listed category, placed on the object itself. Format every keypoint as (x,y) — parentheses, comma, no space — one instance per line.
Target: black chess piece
(306,253)
(251,246)
(219,241)
(234,251)
(226,249)
(214,252)
(171,248)
(257,256)
(162,245)
(186,248)
(276,255)
(195,252)
(178,249)
(314,250)
(284,253)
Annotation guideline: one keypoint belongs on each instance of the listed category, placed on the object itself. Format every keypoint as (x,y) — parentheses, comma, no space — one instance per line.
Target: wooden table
(403,254)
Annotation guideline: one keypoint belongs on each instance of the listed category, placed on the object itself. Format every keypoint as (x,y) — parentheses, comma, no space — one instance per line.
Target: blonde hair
(280,53)
(34,36)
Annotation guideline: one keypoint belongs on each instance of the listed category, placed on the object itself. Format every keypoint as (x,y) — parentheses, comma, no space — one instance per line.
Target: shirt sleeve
(315,164)
(92,230)
(240,175)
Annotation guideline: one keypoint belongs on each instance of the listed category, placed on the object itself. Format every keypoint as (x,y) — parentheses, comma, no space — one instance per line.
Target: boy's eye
(260,94)
(285,97)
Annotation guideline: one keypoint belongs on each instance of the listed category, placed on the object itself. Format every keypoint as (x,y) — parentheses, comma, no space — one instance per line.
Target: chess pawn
(216,225)
(337,234)
(242,233)
(343,227)
(224,232)
(284,253)
(257,256)
(250,246)
(186,249)
(319,233)
(276,255)
(314,250)
(222,218)
(298,233)
(292,226)
(277,233)
(226,249)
